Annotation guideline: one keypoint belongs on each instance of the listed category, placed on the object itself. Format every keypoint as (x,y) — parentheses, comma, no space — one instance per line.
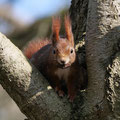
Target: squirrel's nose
(62,62)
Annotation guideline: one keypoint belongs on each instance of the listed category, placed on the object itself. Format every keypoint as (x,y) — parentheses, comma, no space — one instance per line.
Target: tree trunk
(78,14)
(102,37)
(102,55)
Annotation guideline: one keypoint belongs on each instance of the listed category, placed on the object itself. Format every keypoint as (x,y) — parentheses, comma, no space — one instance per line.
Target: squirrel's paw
(59,91)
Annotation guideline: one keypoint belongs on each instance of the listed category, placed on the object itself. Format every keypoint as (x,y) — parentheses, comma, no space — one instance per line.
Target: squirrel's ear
(68,29)
(55,29)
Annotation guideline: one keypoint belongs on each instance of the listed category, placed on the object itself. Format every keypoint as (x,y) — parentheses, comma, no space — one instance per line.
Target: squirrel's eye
(54,51)
(71,51)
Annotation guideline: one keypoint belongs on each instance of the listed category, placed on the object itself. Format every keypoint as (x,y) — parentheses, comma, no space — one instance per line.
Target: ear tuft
(68,28)
(55,28)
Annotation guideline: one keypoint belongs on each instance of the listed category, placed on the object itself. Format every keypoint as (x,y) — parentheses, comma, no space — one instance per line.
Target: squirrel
(57,60)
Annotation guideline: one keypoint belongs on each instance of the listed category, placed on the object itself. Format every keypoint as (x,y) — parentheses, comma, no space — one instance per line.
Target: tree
(35,97)
(102,54)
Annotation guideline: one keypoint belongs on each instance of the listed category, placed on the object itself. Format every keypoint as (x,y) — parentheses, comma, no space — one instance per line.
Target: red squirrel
(57,59)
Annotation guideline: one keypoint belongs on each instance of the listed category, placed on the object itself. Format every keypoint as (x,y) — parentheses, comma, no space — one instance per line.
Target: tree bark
(102,45)
(78,14)
(102,37)
(31,92)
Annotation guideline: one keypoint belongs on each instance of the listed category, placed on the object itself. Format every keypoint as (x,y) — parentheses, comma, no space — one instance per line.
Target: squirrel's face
(64,53)
(63,48)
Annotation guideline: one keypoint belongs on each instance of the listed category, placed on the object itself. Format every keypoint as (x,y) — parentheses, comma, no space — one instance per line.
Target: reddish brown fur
(33,46)
(68,28)
(63,50)
(56,27)
(48,60)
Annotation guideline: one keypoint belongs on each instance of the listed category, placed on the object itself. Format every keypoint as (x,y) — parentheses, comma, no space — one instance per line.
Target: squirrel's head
(63,47)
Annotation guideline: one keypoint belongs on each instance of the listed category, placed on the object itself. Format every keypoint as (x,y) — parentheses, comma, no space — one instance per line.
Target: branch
(31,92)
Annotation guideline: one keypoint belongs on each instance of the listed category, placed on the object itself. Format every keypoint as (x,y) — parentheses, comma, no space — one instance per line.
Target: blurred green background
(22,21)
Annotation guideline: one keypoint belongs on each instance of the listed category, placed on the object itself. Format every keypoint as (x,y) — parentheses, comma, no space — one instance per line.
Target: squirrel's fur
(57,60)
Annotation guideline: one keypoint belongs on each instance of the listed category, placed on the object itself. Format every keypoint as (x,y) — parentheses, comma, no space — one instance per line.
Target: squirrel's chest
(63,74)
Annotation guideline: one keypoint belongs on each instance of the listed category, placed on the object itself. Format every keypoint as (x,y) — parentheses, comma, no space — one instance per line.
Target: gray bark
(102,43)
(78,14)
(26,86)
(102,37)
